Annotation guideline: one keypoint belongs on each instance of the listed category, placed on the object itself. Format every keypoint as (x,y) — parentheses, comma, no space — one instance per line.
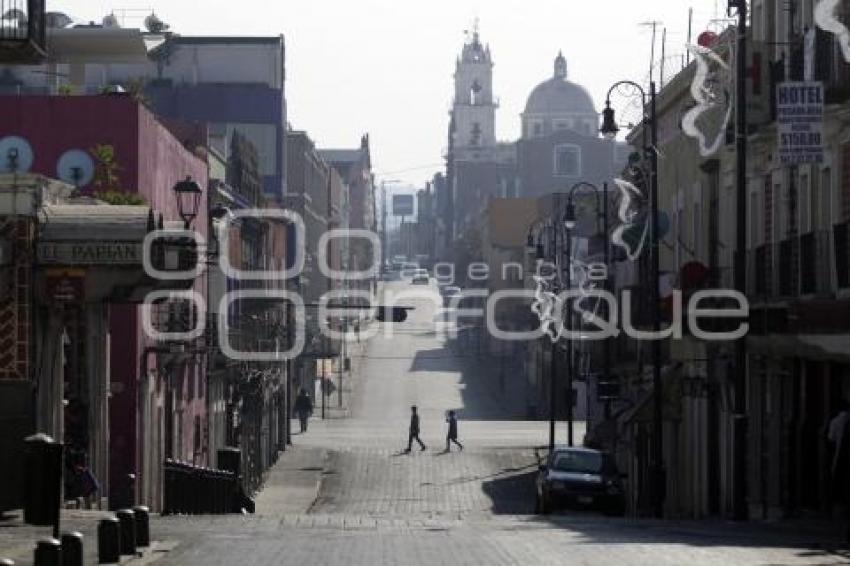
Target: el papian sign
(799,118)
(90,253)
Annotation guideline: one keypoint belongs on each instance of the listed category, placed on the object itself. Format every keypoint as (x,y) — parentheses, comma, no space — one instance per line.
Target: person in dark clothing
(303,408)
(451,419)
(414,430)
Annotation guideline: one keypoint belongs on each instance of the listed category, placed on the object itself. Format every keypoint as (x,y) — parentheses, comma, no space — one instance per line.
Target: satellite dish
(75,167)
(15,155)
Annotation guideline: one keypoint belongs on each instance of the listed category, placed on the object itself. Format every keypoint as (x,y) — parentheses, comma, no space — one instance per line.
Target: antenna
(654,24)
(75,167)
(16,155)
(690,34)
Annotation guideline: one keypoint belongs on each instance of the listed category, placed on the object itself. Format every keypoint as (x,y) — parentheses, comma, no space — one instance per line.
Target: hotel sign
(799,118)
(90,253)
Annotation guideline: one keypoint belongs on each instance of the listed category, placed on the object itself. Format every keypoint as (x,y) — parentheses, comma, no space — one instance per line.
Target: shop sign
(90,253)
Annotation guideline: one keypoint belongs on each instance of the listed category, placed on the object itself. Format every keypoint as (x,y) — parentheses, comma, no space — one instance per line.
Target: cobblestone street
(348,494)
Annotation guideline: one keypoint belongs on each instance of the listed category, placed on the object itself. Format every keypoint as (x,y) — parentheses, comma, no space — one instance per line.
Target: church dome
(558,95)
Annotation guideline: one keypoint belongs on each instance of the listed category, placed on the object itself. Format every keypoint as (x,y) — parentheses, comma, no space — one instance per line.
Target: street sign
(799,117)
(402,205)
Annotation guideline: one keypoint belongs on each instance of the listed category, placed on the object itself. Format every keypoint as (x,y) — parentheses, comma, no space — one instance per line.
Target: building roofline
(231,39)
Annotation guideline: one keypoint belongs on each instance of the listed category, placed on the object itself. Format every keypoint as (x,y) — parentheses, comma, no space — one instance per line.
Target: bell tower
(474,109)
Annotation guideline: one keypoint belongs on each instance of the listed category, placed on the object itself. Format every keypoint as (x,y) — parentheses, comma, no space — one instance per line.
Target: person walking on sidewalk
(451,419)
(414,430)
(303,408)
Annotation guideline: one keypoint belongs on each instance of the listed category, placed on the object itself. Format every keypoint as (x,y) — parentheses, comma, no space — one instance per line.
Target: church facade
(559,146)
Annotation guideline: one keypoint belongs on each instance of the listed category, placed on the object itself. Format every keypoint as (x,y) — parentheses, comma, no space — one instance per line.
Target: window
(561,125)
(755,219)
(826,199)
(805,205)
(537,129)
(476,134)
(567,161)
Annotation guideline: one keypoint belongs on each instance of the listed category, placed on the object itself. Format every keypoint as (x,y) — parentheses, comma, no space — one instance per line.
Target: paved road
(347,494)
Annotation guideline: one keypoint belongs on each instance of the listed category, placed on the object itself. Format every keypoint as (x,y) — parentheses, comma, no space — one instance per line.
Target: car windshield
(578,462)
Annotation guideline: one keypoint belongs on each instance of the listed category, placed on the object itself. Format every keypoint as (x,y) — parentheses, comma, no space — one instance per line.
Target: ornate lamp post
(650,147)
(569,223)
(188,200)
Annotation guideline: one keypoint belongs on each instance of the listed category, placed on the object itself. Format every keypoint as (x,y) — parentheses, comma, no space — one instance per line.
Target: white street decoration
(710,91)
(632,215)
(825,18)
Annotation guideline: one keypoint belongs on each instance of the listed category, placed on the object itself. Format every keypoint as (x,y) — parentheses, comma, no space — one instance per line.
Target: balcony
(22,32)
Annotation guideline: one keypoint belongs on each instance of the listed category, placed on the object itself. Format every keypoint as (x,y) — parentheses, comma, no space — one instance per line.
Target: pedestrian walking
(414,430)
(839,437)
(303,408)
(451,436)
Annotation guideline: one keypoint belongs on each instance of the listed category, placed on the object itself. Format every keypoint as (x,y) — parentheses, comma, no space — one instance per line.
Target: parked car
(448,292)
(420,277)
(580,477)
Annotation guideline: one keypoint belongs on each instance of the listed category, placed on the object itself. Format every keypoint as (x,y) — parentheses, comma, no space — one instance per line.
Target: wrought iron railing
(22,31)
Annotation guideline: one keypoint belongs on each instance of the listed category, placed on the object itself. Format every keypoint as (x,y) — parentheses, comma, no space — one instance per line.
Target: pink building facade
(157,394)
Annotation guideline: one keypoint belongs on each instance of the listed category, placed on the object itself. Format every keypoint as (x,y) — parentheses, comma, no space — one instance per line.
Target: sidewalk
(292,484)
(18,539)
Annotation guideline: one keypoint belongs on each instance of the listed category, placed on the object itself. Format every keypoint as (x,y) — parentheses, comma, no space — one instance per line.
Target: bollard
(143,525)
(43,481)
(48,552)
(72,549)
(127,525)
(109,541)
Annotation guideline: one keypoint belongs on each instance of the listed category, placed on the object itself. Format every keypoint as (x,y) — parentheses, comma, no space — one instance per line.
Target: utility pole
(383,224)
(740,403)
(659,472)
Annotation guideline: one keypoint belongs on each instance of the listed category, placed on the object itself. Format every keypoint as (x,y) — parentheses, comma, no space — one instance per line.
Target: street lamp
(609,129)
(601,213)
(188,199)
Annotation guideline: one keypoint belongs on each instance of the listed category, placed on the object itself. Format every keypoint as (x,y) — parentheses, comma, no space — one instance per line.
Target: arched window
(567,158)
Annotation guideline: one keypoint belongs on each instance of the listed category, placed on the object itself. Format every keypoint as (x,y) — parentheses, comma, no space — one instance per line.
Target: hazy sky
(385,66)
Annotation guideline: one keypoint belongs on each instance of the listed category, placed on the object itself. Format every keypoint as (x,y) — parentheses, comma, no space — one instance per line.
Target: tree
(106,182)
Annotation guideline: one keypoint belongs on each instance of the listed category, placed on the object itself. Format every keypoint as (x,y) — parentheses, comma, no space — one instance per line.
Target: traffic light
(392,314)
